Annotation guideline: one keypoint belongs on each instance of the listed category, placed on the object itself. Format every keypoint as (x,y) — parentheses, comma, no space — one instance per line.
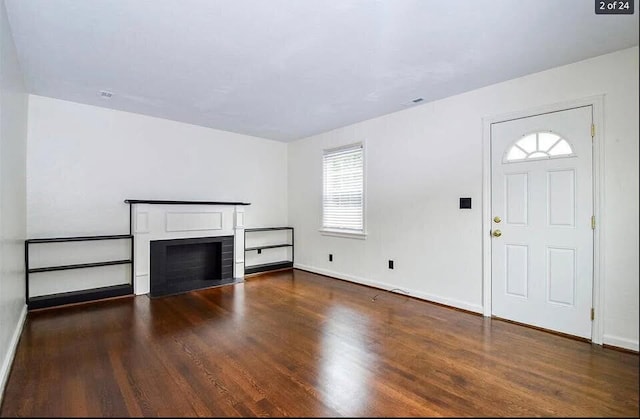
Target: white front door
(542,207)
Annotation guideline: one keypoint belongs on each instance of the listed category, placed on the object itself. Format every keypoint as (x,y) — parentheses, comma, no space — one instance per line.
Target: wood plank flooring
(292,343)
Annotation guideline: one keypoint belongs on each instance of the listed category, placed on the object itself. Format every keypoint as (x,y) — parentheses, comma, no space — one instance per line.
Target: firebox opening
(183,265)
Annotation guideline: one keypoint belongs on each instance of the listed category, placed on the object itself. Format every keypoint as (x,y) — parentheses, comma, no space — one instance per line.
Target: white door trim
(597,103)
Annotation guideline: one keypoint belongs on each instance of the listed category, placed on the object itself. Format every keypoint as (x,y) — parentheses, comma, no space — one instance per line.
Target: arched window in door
(538,145)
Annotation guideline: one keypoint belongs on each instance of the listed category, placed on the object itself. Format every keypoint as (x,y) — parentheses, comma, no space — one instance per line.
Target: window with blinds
(343,189)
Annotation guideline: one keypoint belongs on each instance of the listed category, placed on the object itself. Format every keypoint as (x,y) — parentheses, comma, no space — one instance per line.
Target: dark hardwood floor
(293,343)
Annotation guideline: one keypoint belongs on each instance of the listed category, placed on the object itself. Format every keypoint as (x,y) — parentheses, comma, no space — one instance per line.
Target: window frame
(339,232)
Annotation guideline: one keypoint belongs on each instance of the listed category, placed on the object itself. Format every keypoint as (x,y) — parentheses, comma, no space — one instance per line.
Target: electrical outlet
(390,264)
(330,257)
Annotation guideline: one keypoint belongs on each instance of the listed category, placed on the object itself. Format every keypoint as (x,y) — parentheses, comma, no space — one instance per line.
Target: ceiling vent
(105,94)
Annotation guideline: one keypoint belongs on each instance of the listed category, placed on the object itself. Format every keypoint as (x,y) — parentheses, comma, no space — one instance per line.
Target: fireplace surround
(187,234)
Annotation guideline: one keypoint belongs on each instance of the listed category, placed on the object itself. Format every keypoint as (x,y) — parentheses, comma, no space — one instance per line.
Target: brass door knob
(497,219)
(496,233)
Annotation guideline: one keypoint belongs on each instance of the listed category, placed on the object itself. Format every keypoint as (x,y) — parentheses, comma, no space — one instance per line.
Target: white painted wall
(13,139)
(421,160)
(83,161)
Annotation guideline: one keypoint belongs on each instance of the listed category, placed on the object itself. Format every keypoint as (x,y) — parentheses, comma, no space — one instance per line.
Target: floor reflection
(344,376)
(237,293)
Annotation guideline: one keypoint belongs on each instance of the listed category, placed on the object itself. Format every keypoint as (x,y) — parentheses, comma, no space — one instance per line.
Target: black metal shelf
(268,267)
(271,246)
(263,267)
(52,300)
(79,266)
(81,238)
(267,229)
(79,295)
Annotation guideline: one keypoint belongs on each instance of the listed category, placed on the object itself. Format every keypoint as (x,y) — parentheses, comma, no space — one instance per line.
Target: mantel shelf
(169,202)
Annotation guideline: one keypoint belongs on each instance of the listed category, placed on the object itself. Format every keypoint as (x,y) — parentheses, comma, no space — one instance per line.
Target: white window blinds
(343,188)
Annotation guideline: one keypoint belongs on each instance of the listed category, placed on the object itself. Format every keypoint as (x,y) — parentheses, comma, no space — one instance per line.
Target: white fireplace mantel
(167,220)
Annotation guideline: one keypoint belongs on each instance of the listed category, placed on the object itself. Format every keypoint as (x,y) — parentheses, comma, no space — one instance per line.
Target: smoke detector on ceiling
(105,94)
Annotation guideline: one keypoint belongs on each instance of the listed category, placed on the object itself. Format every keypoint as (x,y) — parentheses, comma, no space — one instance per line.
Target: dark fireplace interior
(183,265)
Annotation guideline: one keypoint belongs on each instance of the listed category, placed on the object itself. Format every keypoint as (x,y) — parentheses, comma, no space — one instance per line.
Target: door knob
(497,219)
(496,233)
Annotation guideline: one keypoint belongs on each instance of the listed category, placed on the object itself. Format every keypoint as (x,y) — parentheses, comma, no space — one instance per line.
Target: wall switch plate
(465,203)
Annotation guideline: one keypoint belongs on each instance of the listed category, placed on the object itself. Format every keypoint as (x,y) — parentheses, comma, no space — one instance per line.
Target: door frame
(597,103)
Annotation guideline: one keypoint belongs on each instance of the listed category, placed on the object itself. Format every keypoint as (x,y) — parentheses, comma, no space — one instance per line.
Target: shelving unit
(268,245)
(77,296)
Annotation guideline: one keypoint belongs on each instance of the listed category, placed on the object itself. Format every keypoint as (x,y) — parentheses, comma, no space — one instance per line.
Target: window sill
(345,234)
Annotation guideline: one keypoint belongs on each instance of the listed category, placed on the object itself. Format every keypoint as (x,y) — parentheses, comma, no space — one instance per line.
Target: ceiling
(288,69)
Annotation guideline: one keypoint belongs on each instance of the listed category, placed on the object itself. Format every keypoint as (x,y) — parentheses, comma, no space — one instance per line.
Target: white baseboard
(385,286)
(607,339)
(620,342)
(11,352)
